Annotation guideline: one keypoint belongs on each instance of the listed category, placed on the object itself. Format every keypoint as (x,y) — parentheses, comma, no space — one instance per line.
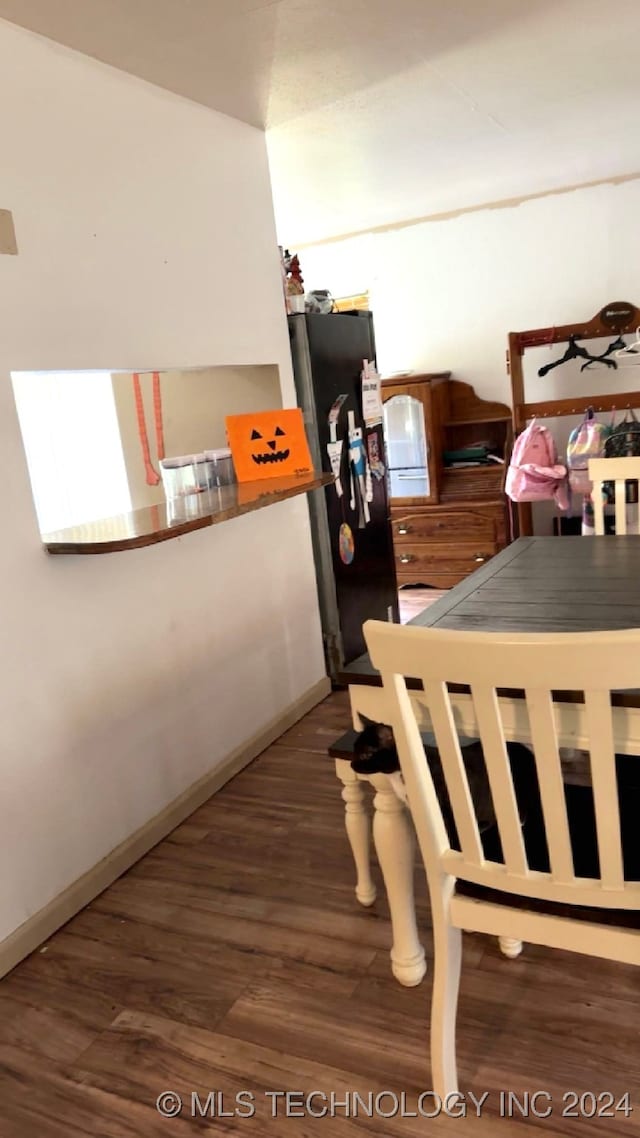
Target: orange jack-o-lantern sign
(268,444)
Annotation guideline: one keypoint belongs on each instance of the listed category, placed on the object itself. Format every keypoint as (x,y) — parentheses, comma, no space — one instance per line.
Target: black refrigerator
(353,543)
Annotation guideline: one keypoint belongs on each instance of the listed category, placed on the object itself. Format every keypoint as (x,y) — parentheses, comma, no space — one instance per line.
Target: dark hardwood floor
(234,957)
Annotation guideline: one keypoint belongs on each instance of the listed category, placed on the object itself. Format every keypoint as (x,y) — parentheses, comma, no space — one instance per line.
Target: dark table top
(540,584)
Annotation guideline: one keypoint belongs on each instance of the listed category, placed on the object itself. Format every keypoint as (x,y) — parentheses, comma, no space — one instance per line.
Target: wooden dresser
(449,518)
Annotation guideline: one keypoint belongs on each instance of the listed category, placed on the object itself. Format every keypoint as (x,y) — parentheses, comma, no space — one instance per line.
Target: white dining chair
(620,471)
(539,886)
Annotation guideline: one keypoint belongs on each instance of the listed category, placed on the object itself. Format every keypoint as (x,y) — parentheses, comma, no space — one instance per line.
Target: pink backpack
(534,473)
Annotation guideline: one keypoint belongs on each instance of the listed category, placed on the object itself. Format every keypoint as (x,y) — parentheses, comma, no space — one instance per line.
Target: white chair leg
(395,846)
(447,950)
(509,946)
(358,827)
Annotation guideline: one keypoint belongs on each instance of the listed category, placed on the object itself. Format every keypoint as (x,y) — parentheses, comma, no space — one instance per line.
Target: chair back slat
(454,770)
(598,510)
(432,837)
(621,512)
(491,731)
(605,788)
(544,741)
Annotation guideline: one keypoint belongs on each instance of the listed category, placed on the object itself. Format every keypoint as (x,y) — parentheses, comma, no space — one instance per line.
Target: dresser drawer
(460,557)
(458,525)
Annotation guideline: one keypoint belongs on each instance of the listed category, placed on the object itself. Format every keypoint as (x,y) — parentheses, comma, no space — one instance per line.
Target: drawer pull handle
(479,557)
(406,558)
(404,529)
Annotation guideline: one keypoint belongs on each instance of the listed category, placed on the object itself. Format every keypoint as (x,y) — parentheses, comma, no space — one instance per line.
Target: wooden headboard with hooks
(616,318)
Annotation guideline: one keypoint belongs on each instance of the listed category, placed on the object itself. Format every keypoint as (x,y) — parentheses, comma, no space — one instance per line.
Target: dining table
(535,584)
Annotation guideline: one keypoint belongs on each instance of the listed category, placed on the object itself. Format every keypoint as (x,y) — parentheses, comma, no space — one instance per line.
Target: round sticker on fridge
(346,544)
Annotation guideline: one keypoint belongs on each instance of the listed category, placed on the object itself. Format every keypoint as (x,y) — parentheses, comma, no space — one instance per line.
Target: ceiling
(379,112)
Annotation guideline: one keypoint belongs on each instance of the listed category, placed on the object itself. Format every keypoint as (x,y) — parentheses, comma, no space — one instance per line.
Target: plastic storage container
(220,466)
(196,473)
(178,476)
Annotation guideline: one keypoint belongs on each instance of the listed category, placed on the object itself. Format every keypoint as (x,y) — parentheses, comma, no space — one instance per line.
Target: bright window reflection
(73,447)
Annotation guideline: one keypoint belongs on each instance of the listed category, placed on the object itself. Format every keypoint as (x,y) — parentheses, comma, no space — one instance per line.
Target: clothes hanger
(630,349)
(615,346)
(573,352)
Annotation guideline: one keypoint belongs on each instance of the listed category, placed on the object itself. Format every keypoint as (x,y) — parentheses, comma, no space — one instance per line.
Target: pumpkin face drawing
(269,444)
(274,453)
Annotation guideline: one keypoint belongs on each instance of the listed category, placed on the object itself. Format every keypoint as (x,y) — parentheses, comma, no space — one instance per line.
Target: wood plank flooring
(234,957)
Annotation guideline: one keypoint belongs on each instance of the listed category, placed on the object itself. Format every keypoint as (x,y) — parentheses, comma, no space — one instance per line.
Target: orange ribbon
(151,474)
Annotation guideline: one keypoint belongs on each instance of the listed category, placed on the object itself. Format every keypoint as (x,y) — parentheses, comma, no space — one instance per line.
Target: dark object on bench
(343,747)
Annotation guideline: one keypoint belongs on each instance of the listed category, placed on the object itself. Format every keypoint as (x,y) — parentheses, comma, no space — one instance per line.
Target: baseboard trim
(30,935)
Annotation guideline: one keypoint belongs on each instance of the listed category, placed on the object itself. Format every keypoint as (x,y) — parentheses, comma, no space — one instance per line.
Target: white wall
(146,240)
(446,294)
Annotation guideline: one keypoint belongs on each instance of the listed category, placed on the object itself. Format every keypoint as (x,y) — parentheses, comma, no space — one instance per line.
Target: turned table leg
(394,841)
(509,946)
(358,827)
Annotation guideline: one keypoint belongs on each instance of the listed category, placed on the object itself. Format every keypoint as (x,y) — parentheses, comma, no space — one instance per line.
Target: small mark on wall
(8,243)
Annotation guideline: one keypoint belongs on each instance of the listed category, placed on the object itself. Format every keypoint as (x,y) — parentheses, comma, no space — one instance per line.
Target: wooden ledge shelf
(173,519)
